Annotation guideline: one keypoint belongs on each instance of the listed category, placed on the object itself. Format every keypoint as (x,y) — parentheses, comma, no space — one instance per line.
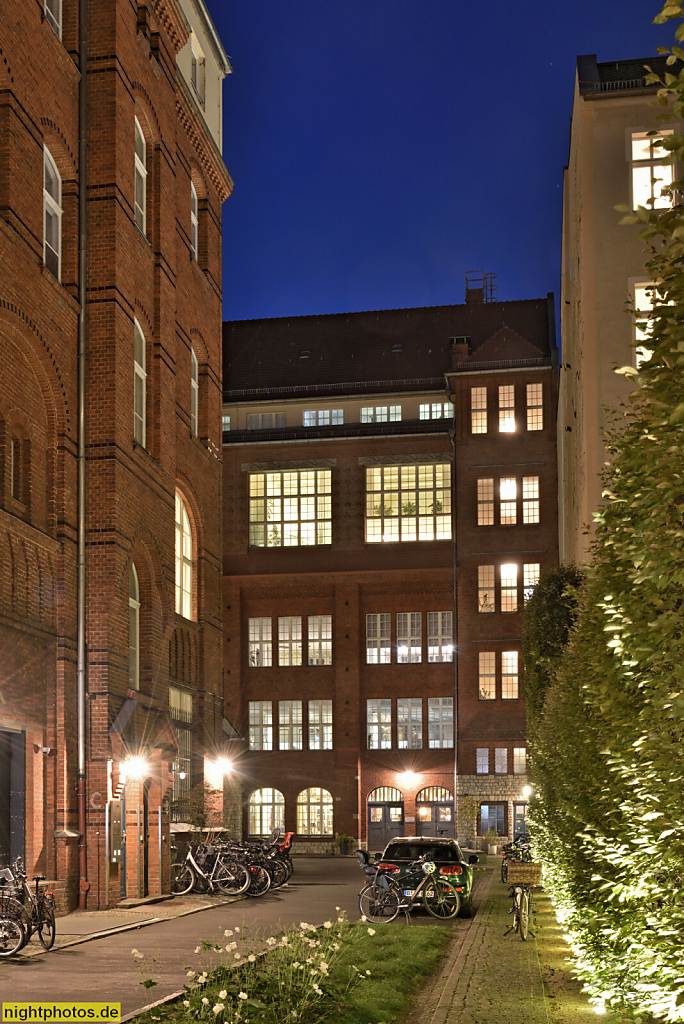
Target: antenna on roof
(479,287)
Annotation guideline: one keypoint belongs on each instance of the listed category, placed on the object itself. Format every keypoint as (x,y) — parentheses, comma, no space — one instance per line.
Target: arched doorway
(385,816)
(435,812)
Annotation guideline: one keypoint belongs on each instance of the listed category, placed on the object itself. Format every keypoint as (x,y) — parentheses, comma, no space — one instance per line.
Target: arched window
(194,392)
(184,565)
(194,221)
(266,811)
(133,630)
(52,215)
(140,385)
(385,794)
(140,179)
(315,812)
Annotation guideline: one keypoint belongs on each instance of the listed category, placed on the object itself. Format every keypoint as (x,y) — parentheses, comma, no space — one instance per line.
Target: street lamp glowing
(407,777)
(527,792)
(224,765)
(135,768)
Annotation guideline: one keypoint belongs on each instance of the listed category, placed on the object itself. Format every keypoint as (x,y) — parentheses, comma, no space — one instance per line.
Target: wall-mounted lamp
(135,768)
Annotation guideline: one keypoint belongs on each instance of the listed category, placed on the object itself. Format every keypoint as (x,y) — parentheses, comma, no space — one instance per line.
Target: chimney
(480,287)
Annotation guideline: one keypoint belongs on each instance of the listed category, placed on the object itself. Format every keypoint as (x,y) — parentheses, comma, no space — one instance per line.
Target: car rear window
(411,851)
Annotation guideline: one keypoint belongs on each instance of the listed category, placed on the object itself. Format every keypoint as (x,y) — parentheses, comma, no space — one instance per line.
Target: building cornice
(206,149)
(174,21)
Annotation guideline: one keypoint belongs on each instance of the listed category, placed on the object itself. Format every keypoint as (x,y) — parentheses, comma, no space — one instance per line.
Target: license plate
(409,892)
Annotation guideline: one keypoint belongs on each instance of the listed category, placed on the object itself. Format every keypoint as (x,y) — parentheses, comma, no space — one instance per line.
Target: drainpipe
(454,525)
(81,566)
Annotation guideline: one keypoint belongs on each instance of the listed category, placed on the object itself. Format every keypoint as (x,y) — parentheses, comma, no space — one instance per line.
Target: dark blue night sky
(381,148)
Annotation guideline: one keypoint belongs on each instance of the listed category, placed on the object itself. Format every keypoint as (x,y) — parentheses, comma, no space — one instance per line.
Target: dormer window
(197,70)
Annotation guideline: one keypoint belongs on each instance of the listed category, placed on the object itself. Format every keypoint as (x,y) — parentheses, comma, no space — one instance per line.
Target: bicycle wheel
(259,880)
(46,925)
(278,873)
(378,905)
(504,870)
(232,878)
(182,879)
(12,935)
(441,899)
(11,908)
(524,910)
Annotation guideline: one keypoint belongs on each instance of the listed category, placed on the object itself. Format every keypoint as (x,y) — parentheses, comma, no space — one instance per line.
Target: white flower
(186,1002)
(222,994)
(296,964)
(317,990)
(251,958)
(335,945)
(324,967)
(231,945)
(284,941)
(237,956)
(337,908)
(270,941)
(237,930)
(363,917)
(242,995)
(136,954)
(205,1001)
(191,974)
(228,932)
(218,1007)
(309,960)
(368,973)
(327,924)
(304,926)
(371,931)
(198,949)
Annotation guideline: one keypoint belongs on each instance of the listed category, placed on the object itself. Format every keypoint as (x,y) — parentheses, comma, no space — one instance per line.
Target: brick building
(357,497)
(110,492)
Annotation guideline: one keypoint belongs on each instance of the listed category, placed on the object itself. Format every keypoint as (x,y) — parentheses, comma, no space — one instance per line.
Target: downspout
(454,525)
(81,545)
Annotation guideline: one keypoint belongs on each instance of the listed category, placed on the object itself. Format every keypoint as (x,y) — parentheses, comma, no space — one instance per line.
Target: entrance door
(435,812)
(145,852)
(385,816)
(519,819)
(123,867)
(12,756)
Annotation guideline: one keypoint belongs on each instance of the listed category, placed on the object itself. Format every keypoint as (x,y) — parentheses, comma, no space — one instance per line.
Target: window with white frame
(225,422)
(320,725)
(535,406)
(52,215)
(409,723)
(440,722)
(197,70)
(440,639)
(320,639)
(266,808)
(379,723)
(322,417)
(180,710)
(509,675)
(378,638)
(501,761)
(478,410)
(289,640)
(380,413)
(408,503)
(485,588)
(485,501)
(530,499)
(194,393)
(519,760)
(266,420)
(644,295)
(290,508)
(482,761)
(290,724)
(139,385)
(194,221)
(133,630)
(260,725)
(409,638)
(315,812)
(140,197)
(650,172)
(487,675)
(508,495)
(435,410)
(506,409)
(509,588)
(260,642)
(184,560)
(53,16)
(531,572)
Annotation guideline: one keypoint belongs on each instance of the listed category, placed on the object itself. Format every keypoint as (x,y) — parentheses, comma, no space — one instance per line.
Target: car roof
(421,839)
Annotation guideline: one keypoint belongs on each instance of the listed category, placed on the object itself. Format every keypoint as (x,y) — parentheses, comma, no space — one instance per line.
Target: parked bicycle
(519,850)
(14,924)
(383,897)
(37,915)
(205,870)
(523,877)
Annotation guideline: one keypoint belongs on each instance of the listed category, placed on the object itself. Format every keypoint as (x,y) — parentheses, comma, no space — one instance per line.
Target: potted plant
(492,841)
(345,843)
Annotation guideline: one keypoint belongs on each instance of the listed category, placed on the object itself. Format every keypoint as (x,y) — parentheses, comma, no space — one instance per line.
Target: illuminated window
(435,410)
(380,414)
(408,503)
(225,422)
(500,761)
(265,420)
(485,501)
(535,406)
(53,16)
(650,173)
(378,650)
(194,221)
(290,640)
(485,588)
(133,630)
(530,579)
(478,410)
(409,723)
(519,760)
(180,710)
(52,215)
(315,813)
(509,588)
(508,493)
(290,724)
(194,392)
(140,201)
(643,307)
(506,409)
(184,560)
(482,760)
(139,385)
(509,675)
(487,675)
(440,636)
(379,723)
(440,722)
(320,725)
(290,509)
(266,811)
(409,638)
(260,725)
(322,417)
(320,640)
(260,642)
(530,494)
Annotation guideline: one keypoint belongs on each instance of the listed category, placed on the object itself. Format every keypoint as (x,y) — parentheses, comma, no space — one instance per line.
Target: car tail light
(452,869)
(389,867)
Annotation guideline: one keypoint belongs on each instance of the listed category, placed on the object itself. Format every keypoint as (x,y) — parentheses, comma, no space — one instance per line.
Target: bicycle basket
(524,873)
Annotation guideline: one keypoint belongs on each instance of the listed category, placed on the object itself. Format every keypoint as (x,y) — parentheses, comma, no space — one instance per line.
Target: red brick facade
(155,277)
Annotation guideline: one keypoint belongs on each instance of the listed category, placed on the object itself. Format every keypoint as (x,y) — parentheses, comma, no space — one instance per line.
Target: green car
(447,855)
